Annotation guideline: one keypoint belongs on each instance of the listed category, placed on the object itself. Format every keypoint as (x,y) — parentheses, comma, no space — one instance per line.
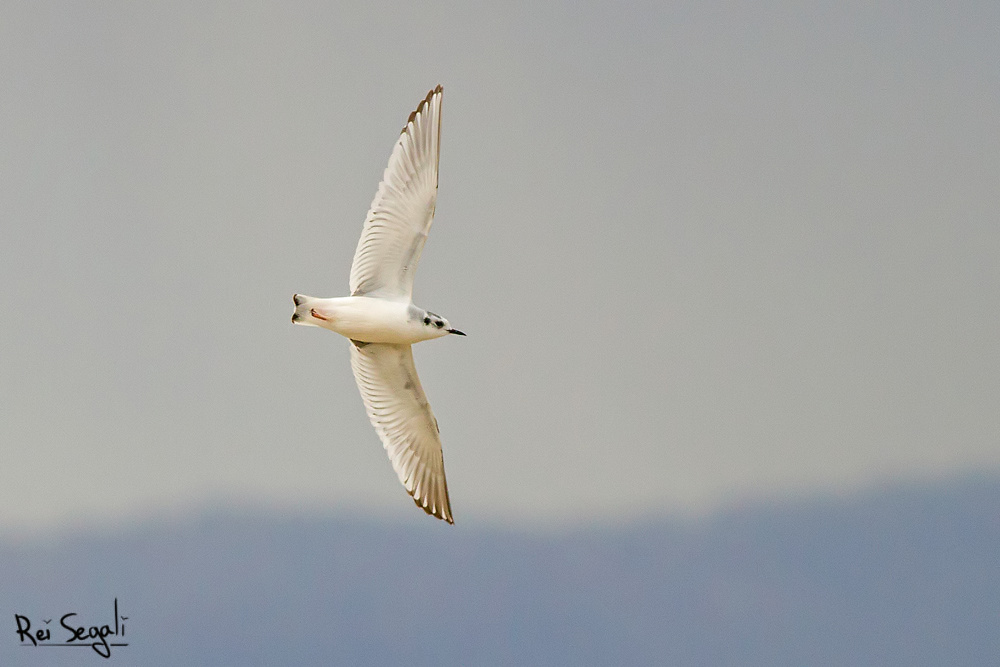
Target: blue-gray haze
(906,576)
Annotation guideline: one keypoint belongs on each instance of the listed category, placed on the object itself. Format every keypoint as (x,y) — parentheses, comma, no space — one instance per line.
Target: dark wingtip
(297,299)
(443,513)
(420,107)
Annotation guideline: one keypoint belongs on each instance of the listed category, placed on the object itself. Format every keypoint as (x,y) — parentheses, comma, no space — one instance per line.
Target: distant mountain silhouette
(904,576)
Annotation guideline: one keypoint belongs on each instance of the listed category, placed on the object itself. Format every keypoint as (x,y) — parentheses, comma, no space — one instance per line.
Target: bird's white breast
(368,319)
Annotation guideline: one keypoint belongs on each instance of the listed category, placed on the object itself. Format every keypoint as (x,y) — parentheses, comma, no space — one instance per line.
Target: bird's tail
(303,308)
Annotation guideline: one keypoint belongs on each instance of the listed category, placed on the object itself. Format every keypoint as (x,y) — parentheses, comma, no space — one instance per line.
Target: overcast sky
(703,251)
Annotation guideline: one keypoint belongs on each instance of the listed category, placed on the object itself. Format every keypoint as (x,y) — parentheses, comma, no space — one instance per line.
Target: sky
(704,252)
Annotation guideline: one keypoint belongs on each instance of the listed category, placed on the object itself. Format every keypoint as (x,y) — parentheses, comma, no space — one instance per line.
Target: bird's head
(438,324)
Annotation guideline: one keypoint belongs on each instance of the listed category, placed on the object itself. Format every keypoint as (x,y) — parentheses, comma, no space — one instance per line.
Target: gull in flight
(379,317)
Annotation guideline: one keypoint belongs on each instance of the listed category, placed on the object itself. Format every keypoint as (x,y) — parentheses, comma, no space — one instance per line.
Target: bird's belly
(369,320)
(375,332)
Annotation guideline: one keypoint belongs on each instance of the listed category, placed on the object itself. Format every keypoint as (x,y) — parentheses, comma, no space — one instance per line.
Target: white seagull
(379,317)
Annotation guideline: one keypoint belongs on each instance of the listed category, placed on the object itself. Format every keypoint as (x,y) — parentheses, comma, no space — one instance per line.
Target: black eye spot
(427,320)
(439,324)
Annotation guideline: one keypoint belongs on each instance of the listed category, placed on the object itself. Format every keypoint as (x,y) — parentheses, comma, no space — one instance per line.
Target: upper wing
(403,208)
(399,411)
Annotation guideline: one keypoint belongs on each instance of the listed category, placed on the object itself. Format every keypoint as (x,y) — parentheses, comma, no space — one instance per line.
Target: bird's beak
(456,331)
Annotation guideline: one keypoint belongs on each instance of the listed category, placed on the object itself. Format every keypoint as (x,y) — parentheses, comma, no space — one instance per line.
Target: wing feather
(403,209)
(402,417)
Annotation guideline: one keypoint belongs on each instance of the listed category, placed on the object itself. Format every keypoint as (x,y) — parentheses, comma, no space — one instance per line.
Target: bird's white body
(380,319)
(368,319)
